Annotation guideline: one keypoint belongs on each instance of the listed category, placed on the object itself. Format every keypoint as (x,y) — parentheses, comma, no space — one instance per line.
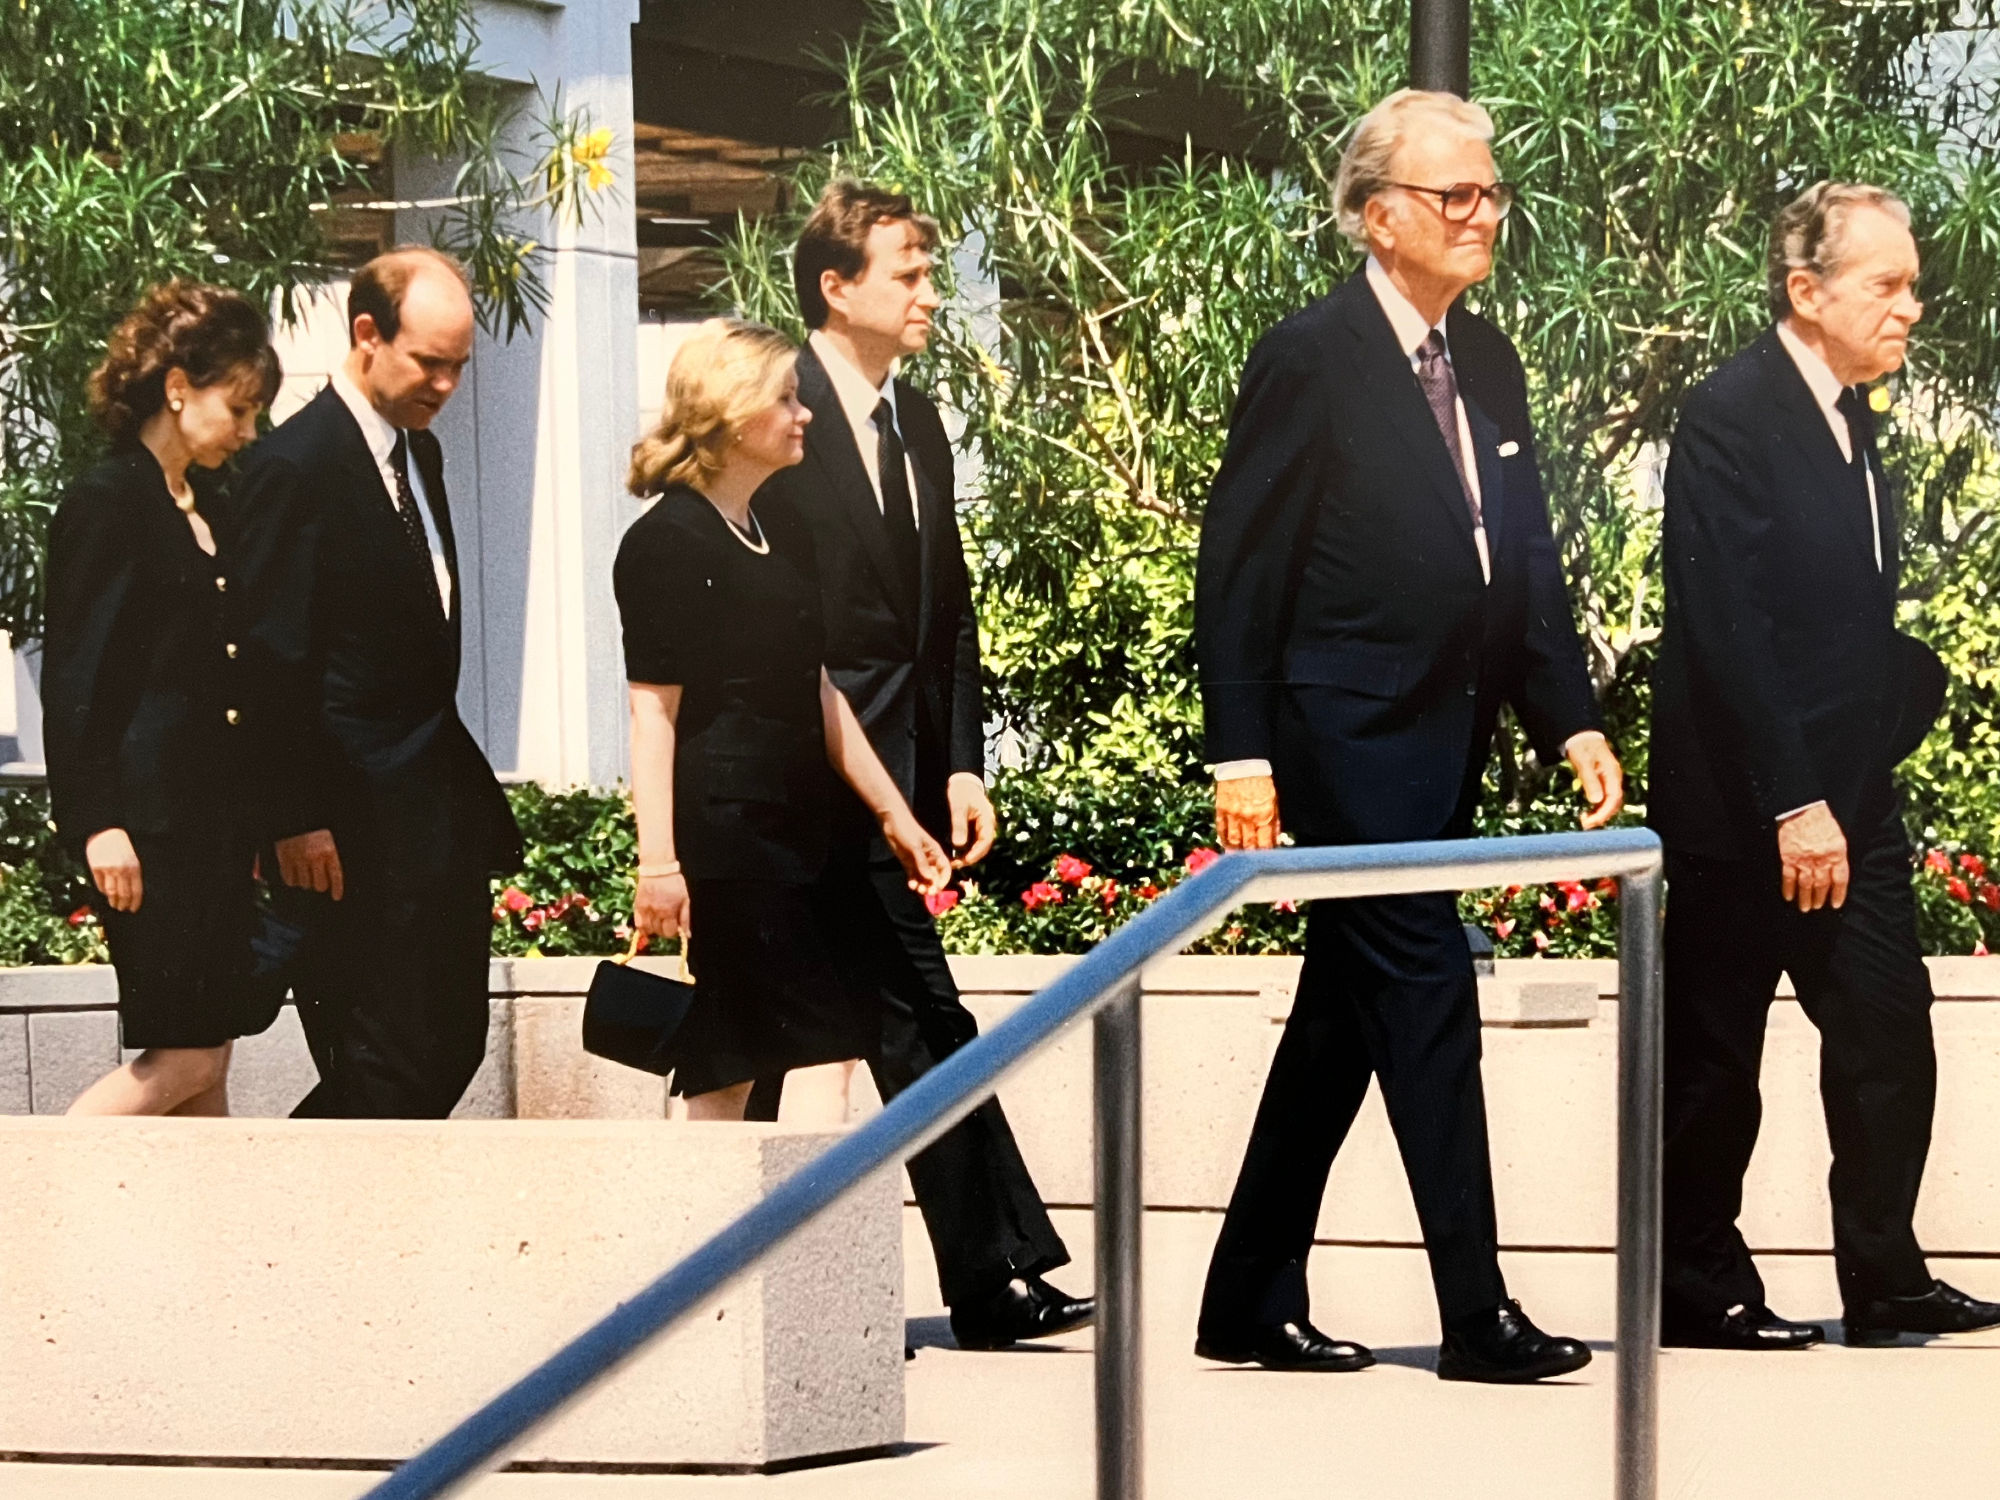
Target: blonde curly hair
(728,371)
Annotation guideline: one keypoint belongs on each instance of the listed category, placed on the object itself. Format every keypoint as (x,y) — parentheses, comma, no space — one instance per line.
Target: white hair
(1365,166)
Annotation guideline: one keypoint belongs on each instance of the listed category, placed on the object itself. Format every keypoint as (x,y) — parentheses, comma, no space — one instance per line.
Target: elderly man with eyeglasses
(1377,577)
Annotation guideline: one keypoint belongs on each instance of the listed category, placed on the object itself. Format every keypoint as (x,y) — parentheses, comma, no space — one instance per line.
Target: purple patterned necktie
(1441,391)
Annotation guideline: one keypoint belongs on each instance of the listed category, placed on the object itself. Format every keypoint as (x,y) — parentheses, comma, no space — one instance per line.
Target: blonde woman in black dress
(144,711)
(734,727)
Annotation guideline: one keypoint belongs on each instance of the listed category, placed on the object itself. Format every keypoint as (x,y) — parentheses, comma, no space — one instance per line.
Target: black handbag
(631,1016)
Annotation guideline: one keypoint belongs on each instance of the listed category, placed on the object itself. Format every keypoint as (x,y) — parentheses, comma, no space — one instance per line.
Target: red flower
(1503,928)
(1070,870)
(81,915)
(1938,862)
(1979,949)
(1989,895)
(1960,891)
(1576,897)
(533,920)
(1147,892)
(1510,893)
(1200,859)
(1607,887)
(1109,894)
(937,905)
(516,899)
(1973,865)
(1040,894)
(1287,907)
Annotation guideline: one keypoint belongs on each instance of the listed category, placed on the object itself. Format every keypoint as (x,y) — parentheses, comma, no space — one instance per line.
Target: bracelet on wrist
(656,872)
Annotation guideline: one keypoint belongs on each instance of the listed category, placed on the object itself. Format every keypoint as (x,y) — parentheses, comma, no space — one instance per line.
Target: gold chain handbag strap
(639,941)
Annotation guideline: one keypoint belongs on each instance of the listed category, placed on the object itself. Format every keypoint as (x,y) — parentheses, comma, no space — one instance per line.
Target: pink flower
(1979,949)
(1938,862)
(1960,891)
(516,899)
(1289,908)
(1547,903)
(1200,859)
(1576,897)
(940,903)
(1070,870)
(1541,942)
(533,920)
(1504,928)
(1040,894)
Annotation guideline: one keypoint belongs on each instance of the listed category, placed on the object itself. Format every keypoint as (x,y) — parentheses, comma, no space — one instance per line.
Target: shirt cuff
(1788,816)
(1240,770)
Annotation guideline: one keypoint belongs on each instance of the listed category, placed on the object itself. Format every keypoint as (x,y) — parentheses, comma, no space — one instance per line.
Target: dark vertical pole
(1120,1212)
(1640,1108)
(1441,45)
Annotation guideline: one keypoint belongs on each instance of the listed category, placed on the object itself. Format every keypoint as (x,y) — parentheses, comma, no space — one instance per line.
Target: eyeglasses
(1460,201)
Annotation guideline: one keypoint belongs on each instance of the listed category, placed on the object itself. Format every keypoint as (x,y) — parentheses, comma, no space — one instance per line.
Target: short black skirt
(768,997)
(184,958)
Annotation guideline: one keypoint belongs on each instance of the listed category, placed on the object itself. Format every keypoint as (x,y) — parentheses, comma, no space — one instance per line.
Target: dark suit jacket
(1342,626)
(1778,682)
(139,683)
(910,667)
(358,668)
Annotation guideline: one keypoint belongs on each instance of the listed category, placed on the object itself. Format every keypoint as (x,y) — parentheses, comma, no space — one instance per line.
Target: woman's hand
(923,861)
(660,906)
(114,865)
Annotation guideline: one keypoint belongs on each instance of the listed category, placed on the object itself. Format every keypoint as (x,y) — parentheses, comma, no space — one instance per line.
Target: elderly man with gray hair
(1783,699)
(1376,578)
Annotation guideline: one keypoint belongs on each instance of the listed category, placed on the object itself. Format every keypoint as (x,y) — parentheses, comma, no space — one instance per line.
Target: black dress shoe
(1943,1309)
(1743,1328)
(1285,1346)
(1502,1347)
(1025,1308)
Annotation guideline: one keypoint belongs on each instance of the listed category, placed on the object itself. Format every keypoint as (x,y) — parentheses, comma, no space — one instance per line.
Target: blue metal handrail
(1110,973)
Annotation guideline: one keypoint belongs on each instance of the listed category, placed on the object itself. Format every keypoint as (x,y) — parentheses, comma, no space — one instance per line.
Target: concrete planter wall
(1210,1027)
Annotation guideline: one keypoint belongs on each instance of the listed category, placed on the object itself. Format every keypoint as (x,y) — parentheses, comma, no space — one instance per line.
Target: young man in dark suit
(1376,577)
(1782,701)
(395,817)
(902,643)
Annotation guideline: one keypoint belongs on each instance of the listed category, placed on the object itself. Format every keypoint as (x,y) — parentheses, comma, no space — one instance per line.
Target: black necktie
(899,516)
(1860,426)
(1441,391)
(406,512)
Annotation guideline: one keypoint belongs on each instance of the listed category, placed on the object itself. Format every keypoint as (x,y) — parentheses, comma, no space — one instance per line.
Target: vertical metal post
(1641,1050)
(1120,1210)
(1441,45)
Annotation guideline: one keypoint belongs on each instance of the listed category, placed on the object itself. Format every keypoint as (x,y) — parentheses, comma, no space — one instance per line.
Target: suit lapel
(1394,386)
(830,442)
(1807,427)
(377,506)
(1492,480)
(428,455)
(930,525)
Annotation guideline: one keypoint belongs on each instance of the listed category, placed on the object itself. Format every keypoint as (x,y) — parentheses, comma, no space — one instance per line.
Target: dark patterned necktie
(1441,391)
(1860,446)
(898,514)
(406,512)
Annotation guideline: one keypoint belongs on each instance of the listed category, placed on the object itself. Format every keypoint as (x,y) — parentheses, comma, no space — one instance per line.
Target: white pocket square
(1508,450)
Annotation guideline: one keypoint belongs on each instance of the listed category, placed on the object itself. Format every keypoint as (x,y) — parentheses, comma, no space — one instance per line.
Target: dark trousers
(393,993)
(981,1208)
(1860,978)
(1387,992)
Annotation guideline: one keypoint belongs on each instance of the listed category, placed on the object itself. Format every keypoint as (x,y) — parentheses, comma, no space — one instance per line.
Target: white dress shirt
(858,400)
(1826,388)
(381,440)
(1411,330)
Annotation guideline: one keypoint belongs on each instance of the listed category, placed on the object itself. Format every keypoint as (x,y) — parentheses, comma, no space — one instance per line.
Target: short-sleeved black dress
(734,621)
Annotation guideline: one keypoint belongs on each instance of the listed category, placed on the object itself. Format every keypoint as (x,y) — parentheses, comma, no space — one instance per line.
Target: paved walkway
(1829,1424)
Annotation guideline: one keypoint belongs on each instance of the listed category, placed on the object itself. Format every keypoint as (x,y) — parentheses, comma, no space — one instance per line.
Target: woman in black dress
(143,717)
(734,724)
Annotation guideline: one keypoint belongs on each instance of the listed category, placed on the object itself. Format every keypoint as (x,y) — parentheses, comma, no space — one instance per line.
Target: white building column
(537,440)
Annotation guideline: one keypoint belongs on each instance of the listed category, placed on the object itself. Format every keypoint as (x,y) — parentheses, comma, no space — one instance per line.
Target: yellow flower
(589,153)
(1878,398)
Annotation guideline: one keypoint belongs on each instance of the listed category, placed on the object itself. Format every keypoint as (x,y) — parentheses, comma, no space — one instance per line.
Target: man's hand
(1598,775)
(114,866)
(310,861)
(973,824)
(1813,851)
(1246,813)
